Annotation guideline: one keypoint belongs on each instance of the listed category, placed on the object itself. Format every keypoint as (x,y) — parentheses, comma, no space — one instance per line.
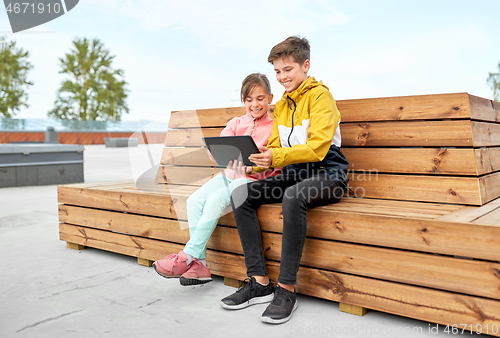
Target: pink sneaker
(196,274)
(173,265)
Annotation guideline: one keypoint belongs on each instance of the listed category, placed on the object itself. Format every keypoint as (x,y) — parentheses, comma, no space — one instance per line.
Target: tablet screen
(227,148)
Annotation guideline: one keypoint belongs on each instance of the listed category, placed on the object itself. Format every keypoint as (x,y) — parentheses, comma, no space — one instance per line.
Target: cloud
(230,24)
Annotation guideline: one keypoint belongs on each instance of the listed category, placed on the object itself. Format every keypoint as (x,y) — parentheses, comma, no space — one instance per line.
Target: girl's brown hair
(252,81)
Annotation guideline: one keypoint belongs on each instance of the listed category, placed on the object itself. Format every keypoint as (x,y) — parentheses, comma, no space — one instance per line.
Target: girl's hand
(264,159)
(238,168)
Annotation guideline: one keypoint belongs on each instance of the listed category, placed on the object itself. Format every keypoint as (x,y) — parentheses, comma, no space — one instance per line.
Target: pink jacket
(260,130)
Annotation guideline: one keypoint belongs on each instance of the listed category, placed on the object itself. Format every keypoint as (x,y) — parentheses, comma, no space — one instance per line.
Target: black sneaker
(281,308)
(250,294)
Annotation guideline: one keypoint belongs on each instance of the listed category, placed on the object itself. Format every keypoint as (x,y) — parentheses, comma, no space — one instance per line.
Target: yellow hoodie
(305,125)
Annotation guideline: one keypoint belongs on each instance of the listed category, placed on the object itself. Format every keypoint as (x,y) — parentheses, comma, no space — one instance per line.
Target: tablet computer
(228,148)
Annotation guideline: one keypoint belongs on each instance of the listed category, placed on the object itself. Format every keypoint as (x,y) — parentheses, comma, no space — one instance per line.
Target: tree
(94,91)
(494,82)
(14,69)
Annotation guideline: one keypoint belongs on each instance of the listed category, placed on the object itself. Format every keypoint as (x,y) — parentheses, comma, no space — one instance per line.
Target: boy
(305,141)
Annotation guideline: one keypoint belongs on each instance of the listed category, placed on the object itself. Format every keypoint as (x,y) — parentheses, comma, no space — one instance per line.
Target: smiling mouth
(287,83)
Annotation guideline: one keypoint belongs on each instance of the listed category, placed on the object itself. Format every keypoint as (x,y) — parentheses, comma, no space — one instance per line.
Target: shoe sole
(253,301)
(166,276)
(194,281)
(279,321)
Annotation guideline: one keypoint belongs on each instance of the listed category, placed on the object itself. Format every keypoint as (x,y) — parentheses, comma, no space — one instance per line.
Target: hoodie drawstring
(293,113)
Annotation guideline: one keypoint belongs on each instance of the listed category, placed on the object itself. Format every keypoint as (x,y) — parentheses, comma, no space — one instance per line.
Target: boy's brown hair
(253,80)
(296,47)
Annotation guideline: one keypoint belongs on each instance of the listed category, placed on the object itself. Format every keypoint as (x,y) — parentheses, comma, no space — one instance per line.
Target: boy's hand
(264,159)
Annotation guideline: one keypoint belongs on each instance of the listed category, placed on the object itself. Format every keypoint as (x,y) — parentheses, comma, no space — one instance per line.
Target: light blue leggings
(204,207)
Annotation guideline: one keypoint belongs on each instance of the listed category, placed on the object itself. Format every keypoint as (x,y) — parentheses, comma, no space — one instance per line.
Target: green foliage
(14,69)
(94,91)
(494,82)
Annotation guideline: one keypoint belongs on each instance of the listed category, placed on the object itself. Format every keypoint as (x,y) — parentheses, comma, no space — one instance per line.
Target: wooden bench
(418,235)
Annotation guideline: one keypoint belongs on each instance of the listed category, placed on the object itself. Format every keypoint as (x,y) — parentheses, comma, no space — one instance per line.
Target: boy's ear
(307,65)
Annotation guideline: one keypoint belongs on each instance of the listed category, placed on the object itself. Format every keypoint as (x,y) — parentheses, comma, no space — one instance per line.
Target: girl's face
(257,101)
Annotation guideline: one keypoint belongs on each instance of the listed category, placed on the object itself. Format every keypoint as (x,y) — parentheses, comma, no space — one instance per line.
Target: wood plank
(411,301)
(486,134)
(187,175)
(408,134)
(418,107)
(482,109)
(492,218)
(441,189)
(136,225)
(371,184)
(469,214)
(488,160)
(185,156)
(133,202)
(464,276)
(490,187)
(438,161)
(435,161)
(216,117)
(477,241)
(386,134)
(496,106)
(190,137)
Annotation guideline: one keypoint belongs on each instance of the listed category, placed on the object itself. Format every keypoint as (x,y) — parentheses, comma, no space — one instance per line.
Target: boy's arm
(324,119)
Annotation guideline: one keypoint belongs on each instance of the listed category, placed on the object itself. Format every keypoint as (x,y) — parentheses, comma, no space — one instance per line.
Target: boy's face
(290,73)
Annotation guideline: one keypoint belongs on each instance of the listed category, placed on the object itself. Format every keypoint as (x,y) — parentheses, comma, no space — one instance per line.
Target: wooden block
(145,262)
(74,246)
(235,283)
(353,309)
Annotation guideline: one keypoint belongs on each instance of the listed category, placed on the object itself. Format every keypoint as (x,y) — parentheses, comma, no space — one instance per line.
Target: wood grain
(459,275)
(362,223)
(406,300)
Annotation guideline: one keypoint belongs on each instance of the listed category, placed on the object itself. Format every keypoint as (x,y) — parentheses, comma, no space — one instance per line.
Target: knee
(293,199)
(239,196)
(193,202)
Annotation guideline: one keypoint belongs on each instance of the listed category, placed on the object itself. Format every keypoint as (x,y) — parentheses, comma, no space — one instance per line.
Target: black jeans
(297,194)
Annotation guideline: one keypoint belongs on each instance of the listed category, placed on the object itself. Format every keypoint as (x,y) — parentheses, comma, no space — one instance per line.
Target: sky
(192,55)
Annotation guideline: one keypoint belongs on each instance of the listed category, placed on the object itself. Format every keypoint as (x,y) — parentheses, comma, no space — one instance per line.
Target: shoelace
(243,287)
(279,300)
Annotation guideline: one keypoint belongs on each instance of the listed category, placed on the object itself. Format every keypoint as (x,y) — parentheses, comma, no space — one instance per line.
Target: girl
(205,206)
